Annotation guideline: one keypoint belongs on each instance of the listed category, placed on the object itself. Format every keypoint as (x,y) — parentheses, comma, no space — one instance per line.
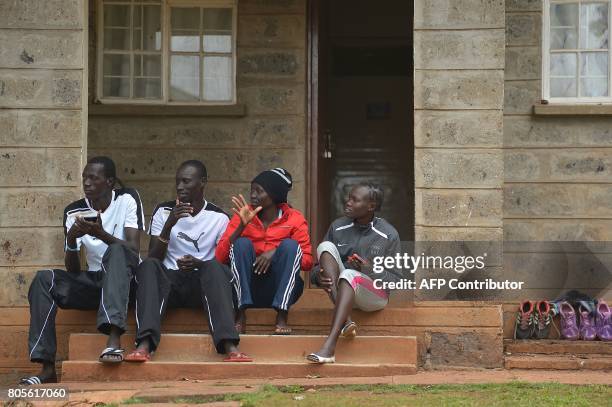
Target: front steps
(455,333)
(557,354)
(193,356)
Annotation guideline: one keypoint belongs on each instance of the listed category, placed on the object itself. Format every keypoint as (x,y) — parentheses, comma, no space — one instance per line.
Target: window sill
(572,109)
(237,110)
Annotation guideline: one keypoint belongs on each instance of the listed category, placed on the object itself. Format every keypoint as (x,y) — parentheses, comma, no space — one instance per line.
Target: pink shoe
(569,330)
(587,329)
(603,321)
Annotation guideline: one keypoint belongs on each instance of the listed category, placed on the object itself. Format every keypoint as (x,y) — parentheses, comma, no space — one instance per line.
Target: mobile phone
(357,258)
(91,218)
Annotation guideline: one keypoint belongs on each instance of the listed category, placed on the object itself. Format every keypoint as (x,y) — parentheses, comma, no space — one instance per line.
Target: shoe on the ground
(569,328)
(523,328)
(603,321)
(542,320)
(587,325)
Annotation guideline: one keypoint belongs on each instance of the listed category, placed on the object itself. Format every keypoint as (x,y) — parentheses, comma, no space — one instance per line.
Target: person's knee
(243,243)
(43,278)
(288,244)
(326,246)
(115,247)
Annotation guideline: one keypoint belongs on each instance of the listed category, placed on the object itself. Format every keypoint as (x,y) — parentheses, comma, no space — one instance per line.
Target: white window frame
(546,56)
(165,53)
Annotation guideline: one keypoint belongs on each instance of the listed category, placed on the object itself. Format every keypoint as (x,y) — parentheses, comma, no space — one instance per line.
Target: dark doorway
(361,107)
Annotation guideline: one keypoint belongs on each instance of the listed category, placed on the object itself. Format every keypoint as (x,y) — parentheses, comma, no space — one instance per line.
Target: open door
(361,108)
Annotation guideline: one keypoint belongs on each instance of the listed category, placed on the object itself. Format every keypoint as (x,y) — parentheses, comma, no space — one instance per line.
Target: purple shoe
(569,330)
(603,321)
(587,329)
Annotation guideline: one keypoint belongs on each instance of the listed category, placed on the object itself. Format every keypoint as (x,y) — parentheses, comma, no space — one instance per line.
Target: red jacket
(290,225)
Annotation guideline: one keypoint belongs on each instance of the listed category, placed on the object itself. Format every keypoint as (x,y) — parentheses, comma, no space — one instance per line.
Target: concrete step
(559,362)
(190,320)
(557,347)
(263,348)
(81,371)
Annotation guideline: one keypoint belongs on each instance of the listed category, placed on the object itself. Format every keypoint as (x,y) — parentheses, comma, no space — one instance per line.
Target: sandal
(29,381)
(282,330)
(138,356)
(237,357)
(349,330)
(314,358)
(111,355)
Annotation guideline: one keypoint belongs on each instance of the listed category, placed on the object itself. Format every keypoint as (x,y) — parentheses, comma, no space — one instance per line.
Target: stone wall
(458,100)
(558,170)
(42,134)
(271,70)
(558,180)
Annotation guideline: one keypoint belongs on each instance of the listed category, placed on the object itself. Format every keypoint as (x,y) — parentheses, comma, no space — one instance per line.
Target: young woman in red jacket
(266,245)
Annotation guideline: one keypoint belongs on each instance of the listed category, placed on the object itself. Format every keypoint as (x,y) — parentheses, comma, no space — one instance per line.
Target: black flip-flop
(33,380)
(116,352)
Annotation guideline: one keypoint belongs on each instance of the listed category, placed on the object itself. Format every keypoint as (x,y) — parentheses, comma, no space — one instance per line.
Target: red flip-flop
(237,357)
(138,355)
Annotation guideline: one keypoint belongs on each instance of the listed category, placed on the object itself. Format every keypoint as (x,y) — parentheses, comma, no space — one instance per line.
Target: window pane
(152,65)
(185,41)
(218,19)
(184,77)
(185,18)
(217,78)
(217,30)
(152,28)
(594,87)
(116,87)
(562,87)
(147,88)
(217,42)
(594,64)
(116,15)
(563,26)
(563,15)
(563,64)
(117,39)
(594,26)
(116,65)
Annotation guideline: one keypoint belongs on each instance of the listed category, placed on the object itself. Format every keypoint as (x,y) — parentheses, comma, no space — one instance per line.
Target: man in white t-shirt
(107,222)
(181,270)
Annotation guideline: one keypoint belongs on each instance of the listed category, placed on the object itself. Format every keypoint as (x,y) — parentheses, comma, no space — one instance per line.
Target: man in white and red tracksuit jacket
(266,245)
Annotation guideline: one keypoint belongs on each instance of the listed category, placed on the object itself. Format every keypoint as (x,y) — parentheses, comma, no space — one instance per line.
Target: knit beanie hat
(276,182)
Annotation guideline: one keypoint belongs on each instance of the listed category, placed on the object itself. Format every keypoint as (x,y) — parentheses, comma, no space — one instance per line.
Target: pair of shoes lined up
(590,324)
(533,320)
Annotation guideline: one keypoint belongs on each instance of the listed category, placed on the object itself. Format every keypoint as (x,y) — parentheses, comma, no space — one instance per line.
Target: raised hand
(244,210)
(180,210)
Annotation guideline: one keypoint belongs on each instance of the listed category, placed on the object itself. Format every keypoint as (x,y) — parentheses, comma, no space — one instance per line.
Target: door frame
(312,123)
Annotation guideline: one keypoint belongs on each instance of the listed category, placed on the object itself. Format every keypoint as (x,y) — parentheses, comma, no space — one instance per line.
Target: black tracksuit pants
(106,290)
(159,288)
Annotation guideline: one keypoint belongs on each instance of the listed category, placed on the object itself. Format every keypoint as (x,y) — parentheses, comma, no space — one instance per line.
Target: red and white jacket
(290,225)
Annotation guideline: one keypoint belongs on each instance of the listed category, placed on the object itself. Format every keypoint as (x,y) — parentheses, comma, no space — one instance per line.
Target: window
(167,51)
(576,57)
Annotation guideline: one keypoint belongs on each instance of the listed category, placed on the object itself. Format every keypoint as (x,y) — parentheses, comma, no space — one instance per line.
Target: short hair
(110,170)
(198,165)
(375,193)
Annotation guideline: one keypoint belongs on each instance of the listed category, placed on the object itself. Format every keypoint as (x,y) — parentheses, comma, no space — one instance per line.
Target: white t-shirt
(124,211)
(195,235)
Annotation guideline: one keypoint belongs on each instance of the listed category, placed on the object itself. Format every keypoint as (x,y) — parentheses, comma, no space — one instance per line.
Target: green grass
(508,394)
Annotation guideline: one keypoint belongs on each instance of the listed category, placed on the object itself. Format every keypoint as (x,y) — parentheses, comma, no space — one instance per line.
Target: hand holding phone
(355,257)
